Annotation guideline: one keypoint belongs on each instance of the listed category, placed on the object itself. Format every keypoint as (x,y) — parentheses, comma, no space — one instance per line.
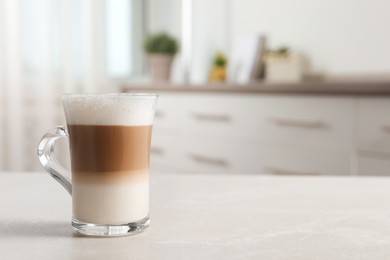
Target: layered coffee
(110,149)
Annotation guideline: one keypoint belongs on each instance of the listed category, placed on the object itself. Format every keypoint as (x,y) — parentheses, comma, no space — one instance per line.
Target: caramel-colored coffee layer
(106,150)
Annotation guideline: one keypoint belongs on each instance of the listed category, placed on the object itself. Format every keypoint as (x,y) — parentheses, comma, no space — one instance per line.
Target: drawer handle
(381,155)
(280,171)
(386,128)
(156,151)
(209,160)
(296,122)
(159,114)
(211,117)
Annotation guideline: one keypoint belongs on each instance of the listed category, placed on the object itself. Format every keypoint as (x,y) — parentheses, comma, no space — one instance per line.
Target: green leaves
(161,43)
(220,60)
(281,51)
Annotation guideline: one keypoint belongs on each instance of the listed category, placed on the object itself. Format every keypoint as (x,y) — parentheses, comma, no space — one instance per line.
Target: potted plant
(218,71)
(161,48)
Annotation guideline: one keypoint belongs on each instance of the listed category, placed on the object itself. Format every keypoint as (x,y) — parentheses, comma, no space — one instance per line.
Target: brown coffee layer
(107,149)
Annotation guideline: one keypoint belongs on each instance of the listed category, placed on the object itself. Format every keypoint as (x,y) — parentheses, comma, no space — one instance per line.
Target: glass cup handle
(48,160)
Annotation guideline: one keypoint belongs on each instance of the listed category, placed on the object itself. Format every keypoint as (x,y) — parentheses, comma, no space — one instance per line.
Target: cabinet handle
(212,117)
(280,171)
(386,128)
(156,151)
(297,122)
(381,155)
(209,160)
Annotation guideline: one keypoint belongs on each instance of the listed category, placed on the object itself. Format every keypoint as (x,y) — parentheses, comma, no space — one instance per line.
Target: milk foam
(109,109)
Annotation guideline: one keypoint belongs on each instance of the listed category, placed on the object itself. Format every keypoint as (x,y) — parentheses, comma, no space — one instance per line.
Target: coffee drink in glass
(109,139)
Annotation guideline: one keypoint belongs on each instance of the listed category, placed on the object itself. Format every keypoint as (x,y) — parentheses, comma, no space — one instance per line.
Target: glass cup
(109,139)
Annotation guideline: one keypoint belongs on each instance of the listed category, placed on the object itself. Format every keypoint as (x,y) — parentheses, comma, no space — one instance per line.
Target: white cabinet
(374,164)
(222,115)
(374,124)
(314,120)
(272,134)
(169,115)
(166,149)
(288,159)
(220,156)
(258,134)
(374,136)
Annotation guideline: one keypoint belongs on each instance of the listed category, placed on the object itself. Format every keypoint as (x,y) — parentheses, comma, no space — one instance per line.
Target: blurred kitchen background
(246,86)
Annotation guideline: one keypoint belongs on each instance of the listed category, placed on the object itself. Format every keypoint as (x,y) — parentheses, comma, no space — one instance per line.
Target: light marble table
(209,217)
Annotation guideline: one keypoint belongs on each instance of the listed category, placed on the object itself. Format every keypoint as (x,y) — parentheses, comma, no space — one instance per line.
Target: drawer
(216,156)
(284,159)
(211,156)
(219,115)
(324,121)
(374,164)
(166,149)
(374,124)
(168,115)
(327,121)
(161,168)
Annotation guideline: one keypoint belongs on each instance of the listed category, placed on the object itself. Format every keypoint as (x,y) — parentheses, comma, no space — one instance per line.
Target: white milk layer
(110,203)
(106,109)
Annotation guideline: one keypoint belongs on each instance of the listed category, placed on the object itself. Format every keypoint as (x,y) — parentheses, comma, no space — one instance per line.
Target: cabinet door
(168,117)
(320,121)
(271,134)
(207,155)
(285,159)
(374,165)
(220,115)
(374,124)
(326,121)
(2,134)
(166,149)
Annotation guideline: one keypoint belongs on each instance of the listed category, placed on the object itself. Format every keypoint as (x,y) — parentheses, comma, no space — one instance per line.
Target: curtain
(46,47)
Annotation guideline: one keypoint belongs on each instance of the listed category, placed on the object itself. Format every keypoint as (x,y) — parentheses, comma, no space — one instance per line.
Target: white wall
(210,32)
(210,35)
(165,15)
(339,36)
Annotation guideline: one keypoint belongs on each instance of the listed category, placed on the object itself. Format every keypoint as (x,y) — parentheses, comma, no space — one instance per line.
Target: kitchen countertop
(356,87)
(208,216)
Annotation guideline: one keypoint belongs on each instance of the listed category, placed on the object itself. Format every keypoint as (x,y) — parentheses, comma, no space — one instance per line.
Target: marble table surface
(209,216)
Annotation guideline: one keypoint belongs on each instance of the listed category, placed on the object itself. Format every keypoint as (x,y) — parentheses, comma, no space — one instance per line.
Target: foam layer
(109,109)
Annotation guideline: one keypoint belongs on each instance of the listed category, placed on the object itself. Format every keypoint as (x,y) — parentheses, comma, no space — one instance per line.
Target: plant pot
(218,74)
(160,66)
(281,68)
